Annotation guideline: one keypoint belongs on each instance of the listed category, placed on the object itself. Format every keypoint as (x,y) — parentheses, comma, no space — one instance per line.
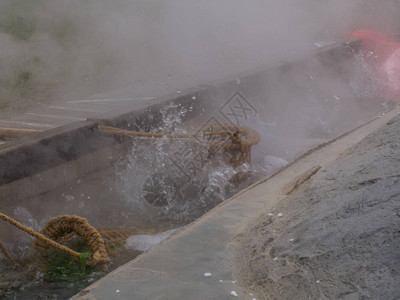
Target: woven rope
(57,228)
(236,134)
(39,236)
(61,226)
(241,137)
(6,132)
(124,132)
(6,253)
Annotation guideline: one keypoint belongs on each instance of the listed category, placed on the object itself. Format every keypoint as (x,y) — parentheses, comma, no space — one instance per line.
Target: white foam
(144,242)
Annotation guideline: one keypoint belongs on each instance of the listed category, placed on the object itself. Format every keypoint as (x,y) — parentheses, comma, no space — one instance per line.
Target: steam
(55,50)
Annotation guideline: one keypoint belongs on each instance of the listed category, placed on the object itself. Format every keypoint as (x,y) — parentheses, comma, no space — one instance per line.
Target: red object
(383,55)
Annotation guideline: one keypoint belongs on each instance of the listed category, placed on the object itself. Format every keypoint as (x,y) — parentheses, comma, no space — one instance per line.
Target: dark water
(29,284)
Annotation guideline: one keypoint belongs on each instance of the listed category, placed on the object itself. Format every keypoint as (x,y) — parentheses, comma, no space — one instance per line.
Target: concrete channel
(72,154)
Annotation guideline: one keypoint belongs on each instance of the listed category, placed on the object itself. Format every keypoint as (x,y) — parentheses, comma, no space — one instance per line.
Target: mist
(66,50)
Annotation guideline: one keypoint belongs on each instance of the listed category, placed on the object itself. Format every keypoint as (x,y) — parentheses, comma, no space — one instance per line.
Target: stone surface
(344,224)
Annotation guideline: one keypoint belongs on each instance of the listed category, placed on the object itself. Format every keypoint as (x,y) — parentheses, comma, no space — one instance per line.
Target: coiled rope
(61,226)
(39,236)
(57,228)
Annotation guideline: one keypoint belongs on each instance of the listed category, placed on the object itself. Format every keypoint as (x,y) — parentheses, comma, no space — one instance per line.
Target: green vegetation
(20,28)
(20,83)
(21,87)
(51,50)
(62,267)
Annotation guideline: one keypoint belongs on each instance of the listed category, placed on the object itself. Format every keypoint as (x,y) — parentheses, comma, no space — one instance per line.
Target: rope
(61,226)
(119,131)
(6,132)
(234,132)
(6,253)
(223,132)
(39,236)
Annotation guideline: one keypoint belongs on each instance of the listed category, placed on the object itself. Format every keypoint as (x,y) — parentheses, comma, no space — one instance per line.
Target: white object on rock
(207,275)
(280,215)
(69,197)
(234,294)
(291,240)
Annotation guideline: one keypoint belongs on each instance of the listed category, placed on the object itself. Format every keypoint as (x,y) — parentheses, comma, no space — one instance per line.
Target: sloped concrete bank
(339,234)
(175,268)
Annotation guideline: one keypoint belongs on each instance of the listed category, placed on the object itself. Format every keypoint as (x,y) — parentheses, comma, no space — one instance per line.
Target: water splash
(176,179)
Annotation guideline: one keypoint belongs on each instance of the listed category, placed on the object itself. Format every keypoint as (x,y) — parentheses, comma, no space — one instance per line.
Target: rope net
(115,239)
(59,227)
(103,242)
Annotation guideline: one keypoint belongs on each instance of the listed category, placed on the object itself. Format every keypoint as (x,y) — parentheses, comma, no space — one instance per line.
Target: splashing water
(176,179)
